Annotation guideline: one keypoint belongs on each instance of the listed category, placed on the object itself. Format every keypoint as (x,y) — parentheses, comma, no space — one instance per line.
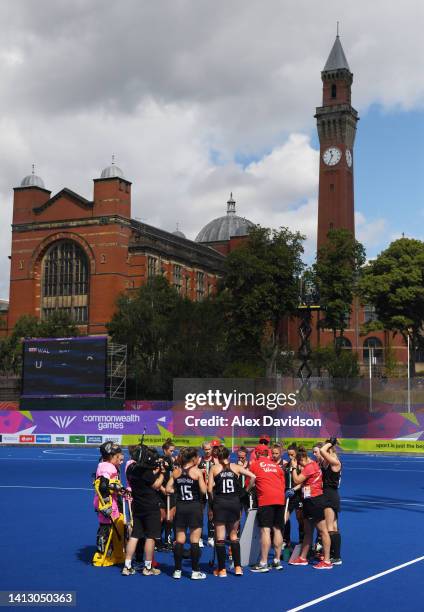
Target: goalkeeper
(107,486)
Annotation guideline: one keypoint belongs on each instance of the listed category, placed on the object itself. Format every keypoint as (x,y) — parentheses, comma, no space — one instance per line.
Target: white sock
(276,560)
(128,563)
(148,564)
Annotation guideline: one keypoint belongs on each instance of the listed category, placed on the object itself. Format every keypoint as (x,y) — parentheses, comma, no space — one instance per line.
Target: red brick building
(77,255)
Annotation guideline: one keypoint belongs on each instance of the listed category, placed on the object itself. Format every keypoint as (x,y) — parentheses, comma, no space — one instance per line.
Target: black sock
(286,535)
(235,549)
(195,556)
(220,553)
(178,555)
(168,529)
(336,544)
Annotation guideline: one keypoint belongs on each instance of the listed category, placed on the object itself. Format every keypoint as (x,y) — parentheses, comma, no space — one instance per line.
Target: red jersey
(270,484)
(312,486)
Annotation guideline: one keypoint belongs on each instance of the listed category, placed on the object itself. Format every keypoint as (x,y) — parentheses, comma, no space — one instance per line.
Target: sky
(197,99)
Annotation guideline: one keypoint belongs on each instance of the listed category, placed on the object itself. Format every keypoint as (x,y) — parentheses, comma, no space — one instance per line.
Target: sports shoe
(238,571)
(201,544)
(259,568)
(198,575)
(211,542)
(276,565)
(323,565)
(150,572)
(127,571)
(335,561)
(177,574)
(299,561)
(220,573)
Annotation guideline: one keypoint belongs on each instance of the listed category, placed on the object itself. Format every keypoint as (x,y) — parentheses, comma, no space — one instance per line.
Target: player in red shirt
(270,487)
(310,477)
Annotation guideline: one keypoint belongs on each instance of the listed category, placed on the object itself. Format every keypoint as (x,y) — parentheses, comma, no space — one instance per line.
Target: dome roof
(224,227)
(32,180)
(112,171)
(178,233)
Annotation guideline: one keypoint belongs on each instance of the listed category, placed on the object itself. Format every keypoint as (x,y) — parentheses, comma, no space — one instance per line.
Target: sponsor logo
(43,439)
(116,439)
(77,439)
(26,438)
(59,438)
(9,438)
(62,422)
(0,438)
(94,439)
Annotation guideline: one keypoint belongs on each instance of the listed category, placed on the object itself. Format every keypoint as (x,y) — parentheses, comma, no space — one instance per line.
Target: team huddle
(167,496)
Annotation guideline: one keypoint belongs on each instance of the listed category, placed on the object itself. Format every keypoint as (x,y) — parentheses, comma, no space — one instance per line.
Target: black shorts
(313,508)
(332,499)
(189,515)
(226,509)
(147,525)
(295,503)
(271,516)
(172,501)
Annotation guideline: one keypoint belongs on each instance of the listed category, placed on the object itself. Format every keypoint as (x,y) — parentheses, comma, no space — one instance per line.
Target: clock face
(332,156)
(348,158)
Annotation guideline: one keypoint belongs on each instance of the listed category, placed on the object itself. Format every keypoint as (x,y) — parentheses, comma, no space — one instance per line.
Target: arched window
(343,343)
(373,349)
(334,90)
(65,280)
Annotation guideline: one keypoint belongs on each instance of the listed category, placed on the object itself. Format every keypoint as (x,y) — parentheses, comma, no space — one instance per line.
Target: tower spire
(337,58)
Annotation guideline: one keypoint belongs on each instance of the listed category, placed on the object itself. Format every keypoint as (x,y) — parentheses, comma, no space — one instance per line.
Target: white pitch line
(34,487)
(354,585)
(371,469)
(381,503)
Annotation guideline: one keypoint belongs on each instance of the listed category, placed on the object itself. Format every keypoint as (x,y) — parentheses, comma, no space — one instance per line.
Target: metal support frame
(304,372)
(117,370)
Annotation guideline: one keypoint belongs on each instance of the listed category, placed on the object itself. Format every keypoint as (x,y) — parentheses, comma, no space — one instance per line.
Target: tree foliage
(167,336)
(336,272)
(260,287)
(394,284)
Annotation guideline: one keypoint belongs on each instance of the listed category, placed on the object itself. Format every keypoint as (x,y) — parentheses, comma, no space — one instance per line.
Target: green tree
(260,287)
(336,272)
(394,284)
(168,336)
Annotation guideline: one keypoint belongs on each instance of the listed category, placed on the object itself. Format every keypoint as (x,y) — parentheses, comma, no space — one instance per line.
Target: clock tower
(336,124)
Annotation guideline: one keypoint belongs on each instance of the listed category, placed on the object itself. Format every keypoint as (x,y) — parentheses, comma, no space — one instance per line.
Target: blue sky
(389,170)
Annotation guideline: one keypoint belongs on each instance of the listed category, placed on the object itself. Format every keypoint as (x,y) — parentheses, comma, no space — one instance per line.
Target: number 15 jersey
(187,489)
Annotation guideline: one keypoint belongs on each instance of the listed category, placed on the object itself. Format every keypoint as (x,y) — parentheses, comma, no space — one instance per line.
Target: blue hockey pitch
(49,530)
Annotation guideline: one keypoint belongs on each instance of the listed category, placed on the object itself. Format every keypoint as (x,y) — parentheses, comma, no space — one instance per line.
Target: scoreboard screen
(64,367)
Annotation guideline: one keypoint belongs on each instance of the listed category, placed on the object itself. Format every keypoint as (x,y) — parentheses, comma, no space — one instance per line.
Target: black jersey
(330,479)
(187,489)
(227,483)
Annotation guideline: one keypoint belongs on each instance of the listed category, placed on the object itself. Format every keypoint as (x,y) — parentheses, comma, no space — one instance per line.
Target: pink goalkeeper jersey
(109,471)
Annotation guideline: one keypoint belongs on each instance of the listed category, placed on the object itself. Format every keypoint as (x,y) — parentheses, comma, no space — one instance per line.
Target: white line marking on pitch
(381,503)
(33,487)
(354,585)
(371,469)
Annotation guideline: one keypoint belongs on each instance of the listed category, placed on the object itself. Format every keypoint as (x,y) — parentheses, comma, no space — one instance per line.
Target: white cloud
(171,87)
